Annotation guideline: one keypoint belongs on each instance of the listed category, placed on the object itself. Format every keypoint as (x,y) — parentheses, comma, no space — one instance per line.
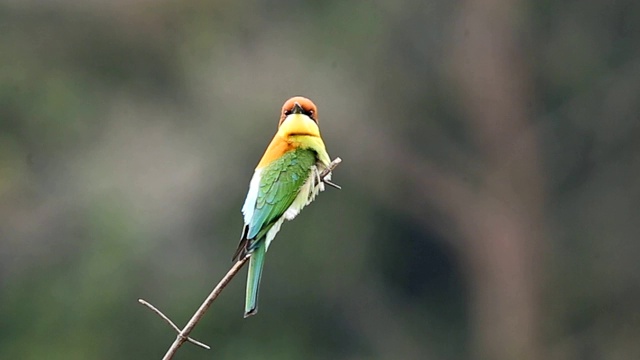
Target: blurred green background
(490,202)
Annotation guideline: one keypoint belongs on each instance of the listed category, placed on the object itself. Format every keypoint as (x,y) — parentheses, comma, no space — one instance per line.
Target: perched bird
(286,179)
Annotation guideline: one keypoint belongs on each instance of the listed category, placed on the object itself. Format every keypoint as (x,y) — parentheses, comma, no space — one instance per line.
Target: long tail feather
(256,262)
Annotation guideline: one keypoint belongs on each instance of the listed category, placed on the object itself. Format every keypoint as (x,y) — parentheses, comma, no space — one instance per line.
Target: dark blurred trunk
(502,226)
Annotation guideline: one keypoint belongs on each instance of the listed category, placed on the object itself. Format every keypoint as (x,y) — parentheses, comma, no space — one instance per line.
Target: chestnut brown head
(299,105)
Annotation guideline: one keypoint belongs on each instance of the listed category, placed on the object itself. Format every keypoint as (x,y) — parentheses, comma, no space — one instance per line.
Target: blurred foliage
(129,131)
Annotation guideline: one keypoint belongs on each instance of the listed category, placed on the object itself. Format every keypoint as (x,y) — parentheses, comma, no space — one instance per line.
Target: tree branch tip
(332,184)
(334,163)
(196,342)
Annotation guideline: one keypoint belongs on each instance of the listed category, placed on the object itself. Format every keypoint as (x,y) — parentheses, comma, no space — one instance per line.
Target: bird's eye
(287,112)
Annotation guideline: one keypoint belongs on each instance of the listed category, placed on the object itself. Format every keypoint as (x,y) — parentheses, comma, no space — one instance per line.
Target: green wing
(280,184)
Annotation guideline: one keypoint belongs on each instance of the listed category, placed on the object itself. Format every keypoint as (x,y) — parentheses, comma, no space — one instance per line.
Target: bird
(286,179)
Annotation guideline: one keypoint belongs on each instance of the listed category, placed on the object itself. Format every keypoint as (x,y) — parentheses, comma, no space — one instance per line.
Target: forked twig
(163,316)
(183,335)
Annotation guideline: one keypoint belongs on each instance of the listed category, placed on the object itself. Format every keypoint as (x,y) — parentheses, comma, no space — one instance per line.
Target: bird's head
(299,105)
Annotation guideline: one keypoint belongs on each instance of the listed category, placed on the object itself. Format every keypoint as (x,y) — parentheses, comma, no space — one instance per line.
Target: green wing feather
(281,181)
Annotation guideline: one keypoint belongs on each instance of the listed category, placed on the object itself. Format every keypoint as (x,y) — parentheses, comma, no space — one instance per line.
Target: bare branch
(183,335)
(163,316)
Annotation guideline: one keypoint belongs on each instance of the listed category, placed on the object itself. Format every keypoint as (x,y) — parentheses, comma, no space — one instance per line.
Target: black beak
(297,109)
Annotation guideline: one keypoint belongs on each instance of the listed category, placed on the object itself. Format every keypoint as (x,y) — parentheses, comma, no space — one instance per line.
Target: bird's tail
(256,262)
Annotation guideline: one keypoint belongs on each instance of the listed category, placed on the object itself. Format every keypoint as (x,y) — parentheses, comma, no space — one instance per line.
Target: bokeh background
(490,202)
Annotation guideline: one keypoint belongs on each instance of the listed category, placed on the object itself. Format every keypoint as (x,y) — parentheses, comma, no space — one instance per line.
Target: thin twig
(163,316)
(328,182)
(183,335)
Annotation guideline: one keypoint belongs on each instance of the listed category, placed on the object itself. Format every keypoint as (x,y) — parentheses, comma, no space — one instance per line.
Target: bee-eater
(286,179)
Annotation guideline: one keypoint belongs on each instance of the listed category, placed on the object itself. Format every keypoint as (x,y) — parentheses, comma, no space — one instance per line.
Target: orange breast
(275,150)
